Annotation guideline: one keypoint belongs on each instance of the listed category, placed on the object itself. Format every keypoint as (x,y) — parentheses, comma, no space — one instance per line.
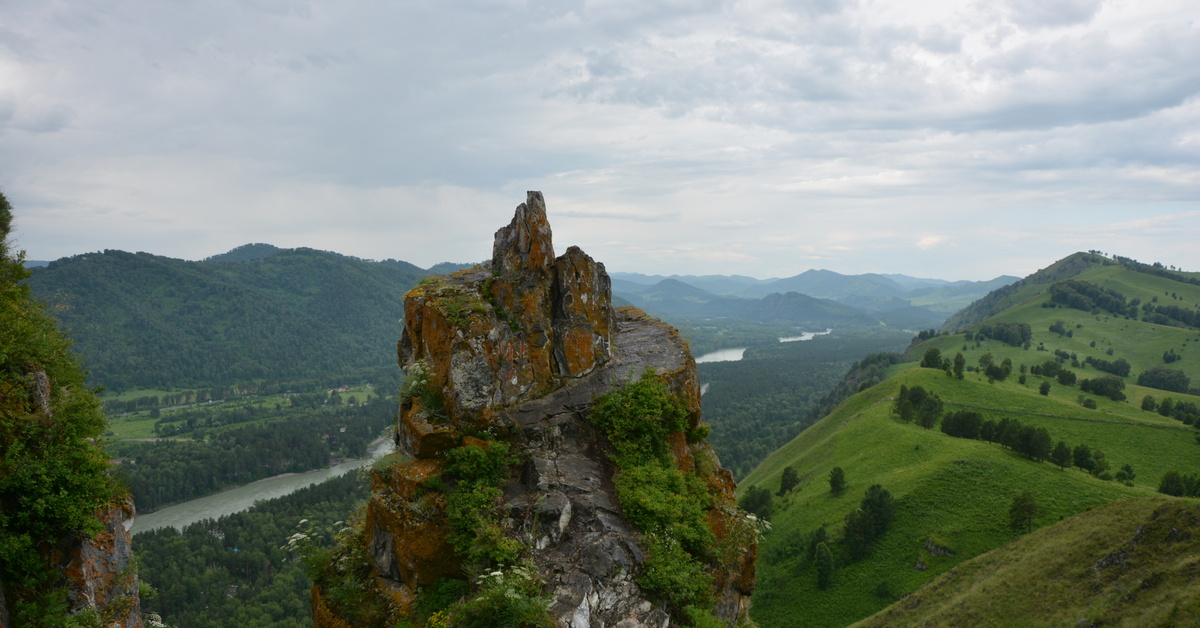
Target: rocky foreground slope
(504,362)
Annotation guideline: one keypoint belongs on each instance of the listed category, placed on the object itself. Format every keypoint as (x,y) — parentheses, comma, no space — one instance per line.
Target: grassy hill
(1129,563)
(952,495)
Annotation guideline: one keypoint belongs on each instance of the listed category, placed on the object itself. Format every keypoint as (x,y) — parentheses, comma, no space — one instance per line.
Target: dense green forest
(147,321)
(761,402)
(236,570)
(287,440)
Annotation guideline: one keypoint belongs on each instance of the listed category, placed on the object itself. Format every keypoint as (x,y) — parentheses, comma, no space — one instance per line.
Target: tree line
(1033,442)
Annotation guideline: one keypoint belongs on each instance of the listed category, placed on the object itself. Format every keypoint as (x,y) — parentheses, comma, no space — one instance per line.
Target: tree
(837,480)
(1044,388)
(932,359)
(1126,474)
(757,501)
(1061,455)
(1163,378)
(1148,403)
(986,360)
(1172,483)
(959,363)
(879,509)
(789,481)
(824,566)
(1082,457)
(1022,512)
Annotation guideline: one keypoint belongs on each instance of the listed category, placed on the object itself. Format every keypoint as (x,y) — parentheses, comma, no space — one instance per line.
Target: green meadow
(952,496)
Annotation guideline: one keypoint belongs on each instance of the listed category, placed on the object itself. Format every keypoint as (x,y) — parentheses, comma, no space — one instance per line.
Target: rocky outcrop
(516,350)
(101,571)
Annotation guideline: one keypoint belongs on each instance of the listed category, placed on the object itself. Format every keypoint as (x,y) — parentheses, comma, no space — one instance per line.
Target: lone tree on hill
(789,481)
(932,359)
(756,501)
(1024,509)
(837,480)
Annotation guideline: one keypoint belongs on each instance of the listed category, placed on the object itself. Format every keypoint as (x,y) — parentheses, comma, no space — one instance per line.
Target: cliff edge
(515,499)
(65,556)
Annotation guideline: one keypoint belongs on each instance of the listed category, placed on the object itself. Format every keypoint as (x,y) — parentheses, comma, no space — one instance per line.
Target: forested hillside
(1069,390)
(146,321)
(240,570)
(759,403)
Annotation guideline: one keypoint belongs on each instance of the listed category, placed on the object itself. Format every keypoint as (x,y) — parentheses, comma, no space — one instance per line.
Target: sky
(954,140)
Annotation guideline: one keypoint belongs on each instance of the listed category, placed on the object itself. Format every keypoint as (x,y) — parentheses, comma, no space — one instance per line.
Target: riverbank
(239,498)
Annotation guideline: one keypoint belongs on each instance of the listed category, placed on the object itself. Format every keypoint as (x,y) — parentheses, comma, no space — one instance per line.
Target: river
(240,498)
(737,353)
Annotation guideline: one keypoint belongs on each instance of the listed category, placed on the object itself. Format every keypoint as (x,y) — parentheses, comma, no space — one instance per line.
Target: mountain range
(262,312)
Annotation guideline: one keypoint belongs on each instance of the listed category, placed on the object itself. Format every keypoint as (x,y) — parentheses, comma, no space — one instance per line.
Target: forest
(290,440)
(763,401)
(144,321)
(236,570)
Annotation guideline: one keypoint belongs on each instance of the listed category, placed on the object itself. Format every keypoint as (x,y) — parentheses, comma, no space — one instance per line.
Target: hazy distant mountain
(672,298)
(724,285)
(445,268)
(895,300)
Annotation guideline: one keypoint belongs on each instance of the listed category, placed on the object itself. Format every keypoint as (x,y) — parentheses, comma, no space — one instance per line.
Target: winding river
(240,498)
(737,353)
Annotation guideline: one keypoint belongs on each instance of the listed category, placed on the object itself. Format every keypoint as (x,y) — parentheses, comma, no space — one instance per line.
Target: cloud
(931,242)
(750,136)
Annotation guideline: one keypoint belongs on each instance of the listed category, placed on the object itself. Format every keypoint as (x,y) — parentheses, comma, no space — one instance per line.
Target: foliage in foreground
(53,478)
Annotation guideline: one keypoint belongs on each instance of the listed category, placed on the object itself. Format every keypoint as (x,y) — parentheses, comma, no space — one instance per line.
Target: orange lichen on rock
(407,527)
(517,349)
(323,617)
(101,571)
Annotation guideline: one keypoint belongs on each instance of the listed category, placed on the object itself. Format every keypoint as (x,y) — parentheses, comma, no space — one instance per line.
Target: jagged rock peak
(501,333)
(525,245)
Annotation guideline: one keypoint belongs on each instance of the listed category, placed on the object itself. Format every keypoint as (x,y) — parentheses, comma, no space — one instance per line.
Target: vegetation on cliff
(54,478)
(669,505)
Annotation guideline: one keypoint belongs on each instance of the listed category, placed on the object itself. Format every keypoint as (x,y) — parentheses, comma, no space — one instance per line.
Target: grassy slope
(1130,563)
(958,492)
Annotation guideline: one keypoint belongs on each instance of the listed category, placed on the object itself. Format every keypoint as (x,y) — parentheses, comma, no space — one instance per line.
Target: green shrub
(673,573)
(638,417)
(506,599)
(472,505)
(666,501)
(666,504)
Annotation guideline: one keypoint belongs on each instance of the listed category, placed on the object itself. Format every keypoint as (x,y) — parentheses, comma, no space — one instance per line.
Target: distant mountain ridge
(256,312)
(871,292)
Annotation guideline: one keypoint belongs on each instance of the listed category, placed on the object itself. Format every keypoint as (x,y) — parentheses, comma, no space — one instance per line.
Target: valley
(781,403)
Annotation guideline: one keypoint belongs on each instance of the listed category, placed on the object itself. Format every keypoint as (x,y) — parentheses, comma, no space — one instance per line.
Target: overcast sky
(958,140)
